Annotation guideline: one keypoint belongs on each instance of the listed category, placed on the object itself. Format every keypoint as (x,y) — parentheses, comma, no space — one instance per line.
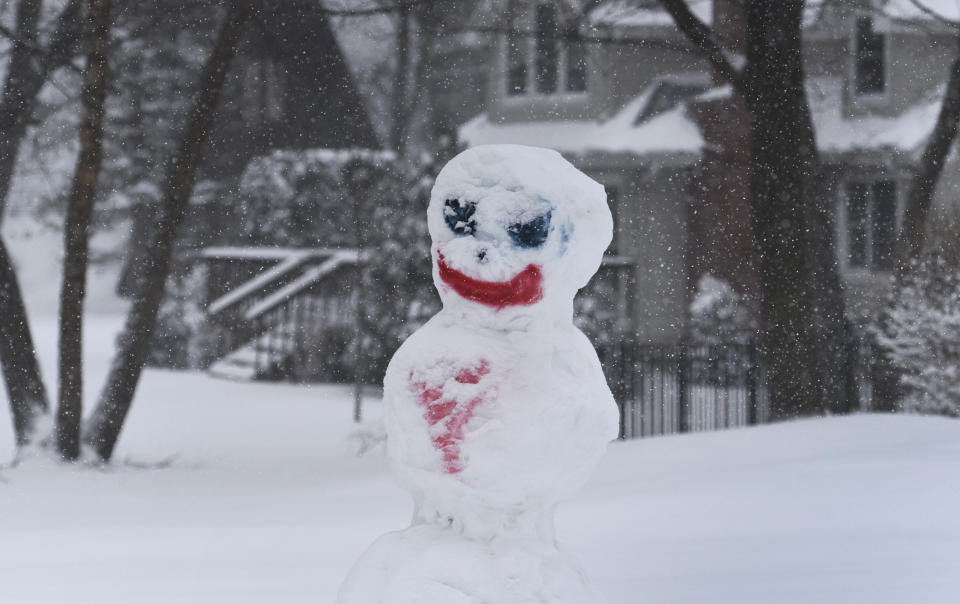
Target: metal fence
(668,388)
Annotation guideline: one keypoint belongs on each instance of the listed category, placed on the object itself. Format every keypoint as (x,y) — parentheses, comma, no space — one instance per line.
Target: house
(628,101)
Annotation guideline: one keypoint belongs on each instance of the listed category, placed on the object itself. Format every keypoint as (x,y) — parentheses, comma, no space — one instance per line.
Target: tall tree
(805,333)
(93,94)
(913,230)
(29,68)
(103,428)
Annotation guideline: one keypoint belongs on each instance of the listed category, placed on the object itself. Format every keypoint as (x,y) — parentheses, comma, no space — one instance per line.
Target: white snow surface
(675,132)
(651,14)
(928,9)
(837,132)
(643,13)
(264,501)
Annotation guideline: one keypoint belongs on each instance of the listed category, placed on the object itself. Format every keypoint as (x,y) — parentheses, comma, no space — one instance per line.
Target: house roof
(644,13)
(637,129)
(836,132)
(922,10)
(650,13)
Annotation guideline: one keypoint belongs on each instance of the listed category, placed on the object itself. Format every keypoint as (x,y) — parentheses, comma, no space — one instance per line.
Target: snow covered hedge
(922,336)
(718,314)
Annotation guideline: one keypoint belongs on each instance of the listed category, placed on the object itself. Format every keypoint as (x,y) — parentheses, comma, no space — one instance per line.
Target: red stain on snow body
(448,417)
(524,289)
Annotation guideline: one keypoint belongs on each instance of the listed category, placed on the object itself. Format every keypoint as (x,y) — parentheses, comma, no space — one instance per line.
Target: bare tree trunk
(18,359)
(912,236)
(401,80)
(782,155)
(14,110)
(26,74)
(96,39)
(913,231)
(805,333)
(108,417)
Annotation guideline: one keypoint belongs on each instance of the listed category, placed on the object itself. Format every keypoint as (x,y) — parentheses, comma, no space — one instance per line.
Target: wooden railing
(268,299)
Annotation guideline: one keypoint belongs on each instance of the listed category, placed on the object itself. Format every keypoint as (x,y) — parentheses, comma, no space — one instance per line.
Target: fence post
(684,404)
(626,370)
(753,373)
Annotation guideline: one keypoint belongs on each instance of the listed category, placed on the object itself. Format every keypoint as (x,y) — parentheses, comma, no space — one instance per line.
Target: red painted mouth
(524,289)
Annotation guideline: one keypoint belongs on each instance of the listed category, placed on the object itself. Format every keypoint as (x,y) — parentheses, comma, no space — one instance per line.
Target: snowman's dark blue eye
(459,216)
(531,233)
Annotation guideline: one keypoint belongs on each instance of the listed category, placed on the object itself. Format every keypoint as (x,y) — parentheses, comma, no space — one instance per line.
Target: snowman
(497,408)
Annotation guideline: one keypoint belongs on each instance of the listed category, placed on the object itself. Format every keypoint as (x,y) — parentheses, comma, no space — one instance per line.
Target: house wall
(616,73)
(917,57)
(946,201)
(651,228)
(917,64)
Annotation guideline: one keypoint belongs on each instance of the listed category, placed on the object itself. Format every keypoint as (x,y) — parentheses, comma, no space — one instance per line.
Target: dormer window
(548,59)
(870,73)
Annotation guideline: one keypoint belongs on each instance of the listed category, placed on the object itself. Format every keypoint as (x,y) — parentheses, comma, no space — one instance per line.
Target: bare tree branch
(911,239)
(704,38)
(104,426)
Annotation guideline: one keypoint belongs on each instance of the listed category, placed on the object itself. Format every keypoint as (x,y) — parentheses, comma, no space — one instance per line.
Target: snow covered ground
(253,493)
(264,500)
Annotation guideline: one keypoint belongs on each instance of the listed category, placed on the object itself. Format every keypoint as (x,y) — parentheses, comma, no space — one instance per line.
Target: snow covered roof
(650,13)
(908,10)
(671,131)
(839,133)
(644,13)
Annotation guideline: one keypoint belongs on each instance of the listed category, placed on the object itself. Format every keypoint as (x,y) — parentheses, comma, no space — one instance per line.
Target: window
(550,61)
(576,63)
(547,55)
(517,67)
(870,75)
(871,224)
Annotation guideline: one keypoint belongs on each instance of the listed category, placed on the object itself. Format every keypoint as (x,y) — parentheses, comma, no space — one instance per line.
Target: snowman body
(497,408)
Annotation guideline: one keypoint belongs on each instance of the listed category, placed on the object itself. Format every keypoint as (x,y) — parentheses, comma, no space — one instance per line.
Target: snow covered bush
(397,294)
(302,199)
(178,336)
(595,310)
(718,314)
(921,336)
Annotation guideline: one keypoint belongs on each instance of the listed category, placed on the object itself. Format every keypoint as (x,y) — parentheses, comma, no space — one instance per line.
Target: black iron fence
(683,387)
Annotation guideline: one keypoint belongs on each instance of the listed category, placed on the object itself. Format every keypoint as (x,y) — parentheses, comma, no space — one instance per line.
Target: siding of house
(653,230)
(661,212)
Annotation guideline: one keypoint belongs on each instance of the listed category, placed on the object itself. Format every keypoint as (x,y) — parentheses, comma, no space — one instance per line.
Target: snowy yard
(264,500)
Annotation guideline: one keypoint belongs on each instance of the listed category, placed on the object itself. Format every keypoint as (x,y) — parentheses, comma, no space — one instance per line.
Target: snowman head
(516,232)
